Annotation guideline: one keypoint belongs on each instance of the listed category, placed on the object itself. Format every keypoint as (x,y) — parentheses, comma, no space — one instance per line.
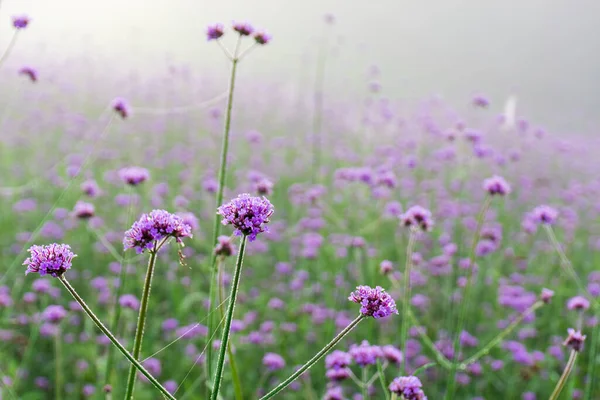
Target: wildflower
(392,354)
(544,215)
(264,187)
(30,73)
(418,217)
(386,267)
(578,303)
(134,175)
(54,314)
(243,28)
(273,361)
(480,101)
(365,354)
(83,210)
(338,359)
(496,185)
(129,301)
(408,388)
(262,37)
(248,215)
(90,188)
(224,246)
(214,32)
(121,107)
(53,259)
(546,295)
(155,226)
(375,302)
(574,340)
(20,22)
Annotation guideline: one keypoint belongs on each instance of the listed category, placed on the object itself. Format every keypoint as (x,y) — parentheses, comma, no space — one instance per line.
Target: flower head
(338,359)
(54,314)
(243,28)
(375,302)
(224,246)
(546,295)
(574,340)
(20,22)
(408,387)
(134,175)
(53,259)
(496,185)
(273,361)
(214,32)
(544,215)
(480,101)
(418,217)
(83,210)
(30,73)
(365,353)
(578,303)
(248,215)
(150,228)
(121,107)
(262,37)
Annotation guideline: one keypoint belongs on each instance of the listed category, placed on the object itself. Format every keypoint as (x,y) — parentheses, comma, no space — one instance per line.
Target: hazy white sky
(545,51)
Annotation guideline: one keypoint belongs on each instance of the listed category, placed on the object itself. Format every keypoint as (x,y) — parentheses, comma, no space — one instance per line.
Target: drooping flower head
(496,185)
(30,73)
(262,37)
(21,21)
(214,32)
(544,214)
(153,227)
(134,175)
(574,340)
(243,28)
(375,302)
(248,215)
(121,107)
(417,217)
(53,259)
(408,388)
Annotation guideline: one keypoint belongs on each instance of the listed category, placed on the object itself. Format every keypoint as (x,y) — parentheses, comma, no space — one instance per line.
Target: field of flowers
(237,242)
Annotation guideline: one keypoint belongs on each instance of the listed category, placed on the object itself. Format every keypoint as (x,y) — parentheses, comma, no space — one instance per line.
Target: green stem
(229,316)
(591,369)
(139,331)
(219,200)
(58,365)
(315,358)
(113,339)
(365,382)
(565,376)
(384,386)
(406,302)
(465,301)
(441,359)
(495,341)
(423,368)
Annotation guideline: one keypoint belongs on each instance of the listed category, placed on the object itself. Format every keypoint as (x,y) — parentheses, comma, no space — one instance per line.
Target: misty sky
(547,52)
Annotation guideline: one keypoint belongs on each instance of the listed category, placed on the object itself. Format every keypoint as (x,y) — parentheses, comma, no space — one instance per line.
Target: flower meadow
(227,245)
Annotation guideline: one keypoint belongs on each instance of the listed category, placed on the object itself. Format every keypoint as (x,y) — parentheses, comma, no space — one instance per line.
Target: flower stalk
(565,375)
(407,290)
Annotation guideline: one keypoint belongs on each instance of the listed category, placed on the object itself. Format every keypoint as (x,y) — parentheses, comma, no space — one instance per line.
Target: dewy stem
(406,302)
(565,376)
(228,317)
(219,200)
(465,300)
(139,331)
(113,339)
(315,358)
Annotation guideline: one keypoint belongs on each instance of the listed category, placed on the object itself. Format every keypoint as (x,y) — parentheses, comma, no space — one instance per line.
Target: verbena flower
(214,32)
(121,107)
(273,361)
(53,259)
(248,215)
(243,28)
(262,37)
(224,246)
(496,185)
(338,359)
(544,215)
(20,22)
(418,217)
(365,354)
(153,227)
(375,302)
(546,295)
(84,210)
(54,314)
(134,175)
(578,303)
(408,388)
(574,340)
(30,73)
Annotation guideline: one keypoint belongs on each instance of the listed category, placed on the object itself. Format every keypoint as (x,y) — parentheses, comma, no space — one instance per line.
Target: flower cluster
(121,107)
(83,210)
(155,226)
(417,217)
(544,215)
(248,215)
(216,31)
(496,185)
(375,302)
(53,259)
(134,175)
(408,388)
(574,340)
(20,22)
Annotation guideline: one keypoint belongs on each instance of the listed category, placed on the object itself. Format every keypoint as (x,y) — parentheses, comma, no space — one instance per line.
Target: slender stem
(219,200)
(424,368)
(139,331)
(442,360)
(9,48)
(58,365)
(565,376)
(591,369)
(495,341)
(315,358)
(384,386)
(406,302)
(113,339)
(365,382)
(228,317)
(465,300)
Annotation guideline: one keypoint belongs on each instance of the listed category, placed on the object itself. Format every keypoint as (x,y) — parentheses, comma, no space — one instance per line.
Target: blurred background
(544,52)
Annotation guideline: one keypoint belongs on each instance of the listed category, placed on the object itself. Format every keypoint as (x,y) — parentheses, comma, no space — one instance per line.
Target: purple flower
(121,107)
(496,185)
(214,32)
(90,188)
(574,340)
(578,303)
(30,73)
(375,302)
(151,228)
(544,215)
(53,259)
(338,359)
(224,246)
(480,101)
(129,301)
(273,361)
(408,387)
(365,354)
(20,22)
(418,217)
(392,354)
(248,215)
(134,175)
(54,314)
(264,187)
(243,28)
(262,37)
(83,210)
(546,295)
